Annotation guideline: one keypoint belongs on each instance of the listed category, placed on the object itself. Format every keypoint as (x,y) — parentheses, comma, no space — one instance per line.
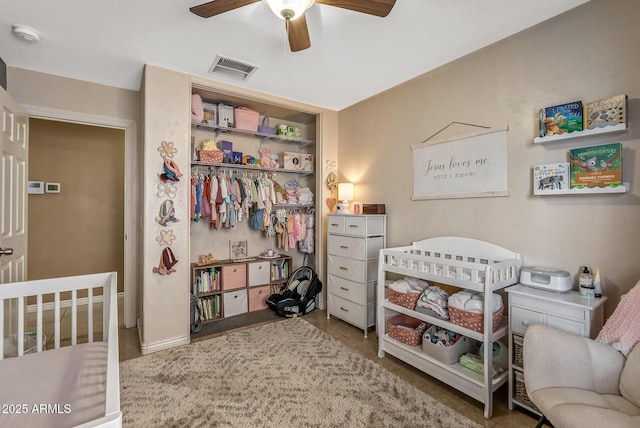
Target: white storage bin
(446,354)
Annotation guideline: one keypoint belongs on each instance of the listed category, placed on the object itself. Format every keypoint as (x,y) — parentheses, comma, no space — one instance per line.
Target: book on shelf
(561,119)
(607,112)
(597,166)
(549,177)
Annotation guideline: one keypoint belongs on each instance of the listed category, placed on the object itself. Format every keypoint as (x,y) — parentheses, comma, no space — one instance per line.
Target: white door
(14,144)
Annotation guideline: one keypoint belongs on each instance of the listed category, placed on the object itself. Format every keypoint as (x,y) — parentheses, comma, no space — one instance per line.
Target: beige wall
(79,230)
(31,88)
(589,53)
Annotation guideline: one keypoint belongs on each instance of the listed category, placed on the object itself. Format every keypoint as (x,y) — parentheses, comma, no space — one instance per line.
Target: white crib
(72,385)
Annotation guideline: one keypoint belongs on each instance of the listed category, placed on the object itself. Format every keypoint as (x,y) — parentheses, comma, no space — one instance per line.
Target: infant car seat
(299,295)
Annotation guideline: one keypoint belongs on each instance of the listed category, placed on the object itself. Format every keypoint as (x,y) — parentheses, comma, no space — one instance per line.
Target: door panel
(14,144)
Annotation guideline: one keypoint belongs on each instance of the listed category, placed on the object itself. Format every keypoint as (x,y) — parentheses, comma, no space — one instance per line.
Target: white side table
(568,311)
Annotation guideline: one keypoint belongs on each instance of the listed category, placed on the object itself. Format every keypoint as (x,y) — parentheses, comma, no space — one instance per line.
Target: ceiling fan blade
(371,7)
(298,34)
(216,7)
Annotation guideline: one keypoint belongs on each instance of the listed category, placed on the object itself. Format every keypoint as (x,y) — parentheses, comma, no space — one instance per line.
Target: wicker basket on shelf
(406,300)
(474,320)
(406,329)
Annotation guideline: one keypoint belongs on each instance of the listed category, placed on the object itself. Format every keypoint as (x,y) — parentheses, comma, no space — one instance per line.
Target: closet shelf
(300,142)
(622,127)
(293,206)
(249,167)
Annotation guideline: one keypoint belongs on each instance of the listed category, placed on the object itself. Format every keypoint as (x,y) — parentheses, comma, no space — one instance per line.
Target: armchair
(578,382)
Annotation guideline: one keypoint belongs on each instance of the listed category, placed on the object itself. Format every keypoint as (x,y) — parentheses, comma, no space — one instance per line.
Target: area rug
(283,374)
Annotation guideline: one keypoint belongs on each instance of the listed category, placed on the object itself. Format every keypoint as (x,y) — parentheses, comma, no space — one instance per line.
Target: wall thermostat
(52,187)
(35,188)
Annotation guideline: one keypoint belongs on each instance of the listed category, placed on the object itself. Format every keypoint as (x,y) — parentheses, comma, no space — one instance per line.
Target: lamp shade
(345,191)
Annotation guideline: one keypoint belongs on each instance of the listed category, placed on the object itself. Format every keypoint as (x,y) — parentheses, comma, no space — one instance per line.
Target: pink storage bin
(245,118)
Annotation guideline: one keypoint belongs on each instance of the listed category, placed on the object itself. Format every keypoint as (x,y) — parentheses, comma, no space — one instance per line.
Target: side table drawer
(235,303)
(257,297)
(567,325)
(523,318)
(346,310)
(234,276)
(259,273)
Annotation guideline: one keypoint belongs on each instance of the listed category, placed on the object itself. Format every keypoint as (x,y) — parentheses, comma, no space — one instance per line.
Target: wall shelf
(624,188)
(582,134)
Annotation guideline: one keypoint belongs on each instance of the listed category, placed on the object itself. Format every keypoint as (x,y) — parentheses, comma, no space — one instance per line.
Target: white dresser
(565,311)
(352,266)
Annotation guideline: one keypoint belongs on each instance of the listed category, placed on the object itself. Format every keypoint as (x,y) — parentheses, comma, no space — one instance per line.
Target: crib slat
(20,326)
(74,317)
(56,320)
(2,329)
(39,322)
(90,314)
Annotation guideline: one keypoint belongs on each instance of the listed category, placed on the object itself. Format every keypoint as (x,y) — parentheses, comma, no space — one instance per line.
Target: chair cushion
(629,378)
(572,407)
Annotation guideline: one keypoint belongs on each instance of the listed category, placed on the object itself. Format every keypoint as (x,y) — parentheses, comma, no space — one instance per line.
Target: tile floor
(368,347)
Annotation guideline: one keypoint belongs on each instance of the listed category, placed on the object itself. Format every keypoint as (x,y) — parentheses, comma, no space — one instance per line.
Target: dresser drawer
(353,270)
(335,224)
(257,297)
(347,310)
(353,247)
(349,290)
(364,225)
(234,276)
(259,273)
(523,318)
(235,303)
(347,246)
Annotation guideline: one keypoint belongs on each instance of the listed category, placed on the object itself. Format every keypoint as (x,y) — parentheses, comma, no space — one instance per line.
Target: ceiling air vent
(232,68)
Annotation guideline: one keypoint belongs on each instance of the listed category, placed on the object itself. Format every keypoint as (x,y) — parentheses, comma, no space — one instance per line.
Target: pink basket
(211,156)
(245,118)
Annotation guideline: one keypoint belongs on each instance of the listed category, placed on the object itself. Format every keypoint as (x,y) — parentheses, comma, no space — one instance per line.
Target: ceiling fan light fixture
(289,9)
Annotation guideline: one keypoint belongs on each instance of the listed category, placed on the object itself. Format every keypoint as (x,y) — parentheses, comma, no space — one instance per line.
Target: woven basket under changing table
(520,392)
(518,356)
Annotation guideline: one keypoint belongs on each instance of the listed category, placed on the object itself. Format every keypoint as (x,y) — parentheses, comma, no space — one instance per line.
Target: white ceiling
(352,56)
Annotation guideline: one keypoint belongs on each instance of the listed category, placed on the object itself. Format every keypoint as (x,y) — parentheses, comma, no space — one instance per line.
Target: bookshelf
(228,287)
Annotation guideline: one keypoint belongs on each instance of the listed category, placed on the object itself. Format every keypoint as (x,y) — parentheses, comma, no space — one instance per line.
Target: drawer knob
(344,288)
(259,267)
(344,246)
(344,268)
(525,323)
(344,309)
(334,224)
(353,225)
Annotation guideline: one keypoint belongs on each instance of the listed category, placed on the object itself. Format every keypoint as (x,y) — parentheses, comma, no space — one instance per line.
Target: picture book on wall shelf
(597,166)
(608,112)
(562,119)
(549,177)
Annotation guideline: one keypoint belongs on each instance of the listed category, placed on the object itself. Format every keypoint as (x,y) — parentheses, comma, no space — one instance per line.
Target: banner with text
(471,166)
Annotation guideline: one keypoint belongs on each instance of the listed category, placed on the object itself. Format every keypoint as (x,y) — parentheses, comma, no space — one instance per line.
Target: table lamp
(345,193)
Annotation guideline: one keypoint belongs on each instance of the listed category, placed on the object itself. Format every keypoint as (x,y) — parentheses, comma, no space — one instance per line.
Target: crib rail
(15,295)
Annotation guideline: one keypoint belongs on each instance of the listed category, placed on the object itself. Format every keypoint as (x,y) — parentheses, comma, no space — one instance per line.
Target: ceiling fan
(292,11)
